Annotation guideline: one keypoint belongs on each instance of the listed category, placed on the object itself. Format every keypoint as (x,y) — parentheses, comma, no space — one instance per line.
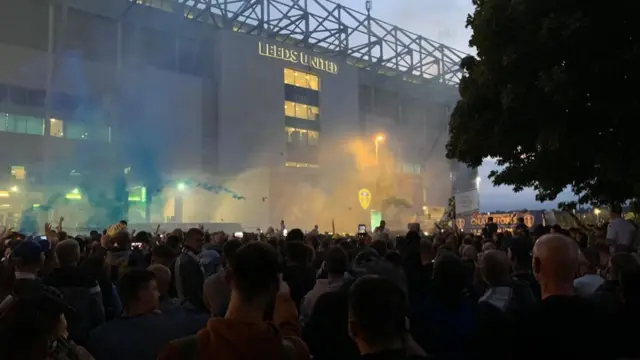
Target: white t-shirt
(621,232)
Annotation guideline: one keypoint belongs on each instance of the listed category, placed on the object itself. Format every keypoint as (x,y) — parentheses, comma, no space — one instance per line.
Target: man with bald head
(557,325)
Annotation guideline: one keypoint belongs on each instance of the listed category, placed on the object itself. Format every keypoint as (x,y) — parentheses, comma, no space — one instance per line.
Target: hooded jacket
(236,340)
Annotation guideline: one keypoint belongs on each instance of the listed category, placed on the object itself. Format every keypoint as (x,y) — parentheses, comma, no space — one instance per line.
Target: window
(74,130)
(25,124)
(301,79)
(301,111)
(302,136)
(57,128)
(18,172)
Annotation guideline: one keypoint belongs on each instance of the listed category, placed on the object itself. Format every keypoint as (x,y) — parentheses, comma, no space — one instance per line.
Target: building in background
(221,111)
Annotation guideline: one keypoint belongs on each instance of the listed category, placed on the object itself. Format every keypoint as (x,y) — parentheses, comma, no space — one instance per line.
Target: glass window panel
(74,131)
(300,79)
(290,108)
(17,124)
(3,121)
(35,126)
(57,127)
(289,77)
(301,111)
(314,82)
(312,112)
(314,136)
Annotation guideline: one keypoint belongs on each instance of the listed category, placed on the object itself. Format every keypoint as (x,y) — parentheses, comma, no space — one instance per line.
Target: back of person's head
(138,287)
(255,272)
(27,256)
(163,254)
(377,312)
(162,277)
(495,267)
(394,259)
(173,241)
(616,209)
(519,251)
(296,253)
(555,260)
(30,325)
(448,279)
(426,251)
(380,246)
(295,235)
(230,249)
(336,261)
(590,258)
(142,237)
(68,253)
(121,241)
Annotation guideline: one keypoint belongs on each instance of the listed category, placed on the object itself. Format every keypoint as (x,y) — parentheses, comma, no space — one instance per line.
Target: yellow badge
(364,196)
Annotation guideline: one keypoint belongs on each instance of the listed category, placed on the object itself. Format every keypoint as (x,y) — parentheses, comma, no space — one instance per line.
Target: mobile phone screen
(362,229)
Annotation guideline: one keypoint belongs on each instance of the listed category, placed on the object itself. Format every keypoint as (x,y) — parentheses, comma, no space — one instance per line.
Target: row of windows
(22,96)
(301,111)
(408,168)
(32,125)
(302,136)
(301,79)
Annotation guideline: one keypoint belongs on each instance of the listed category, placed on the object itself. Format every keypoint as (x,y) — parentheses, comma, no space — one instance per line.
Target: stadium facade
(223,111)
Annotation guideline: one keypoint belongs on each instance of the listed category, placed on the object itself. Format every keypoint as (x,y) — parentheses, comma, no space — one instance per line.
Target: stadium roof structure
(327,27)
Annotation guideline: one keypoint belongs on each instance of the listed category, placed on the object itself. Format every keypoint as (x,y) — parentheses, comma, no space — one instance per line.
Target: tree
(552,96)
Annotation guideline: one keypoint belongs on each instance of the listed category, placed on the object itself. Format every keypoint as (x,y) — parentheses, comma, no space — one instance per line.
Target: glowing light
(181,186)
(478,180)
(596,211)
(364,196)
(15,188)
(380,138)
(75,191)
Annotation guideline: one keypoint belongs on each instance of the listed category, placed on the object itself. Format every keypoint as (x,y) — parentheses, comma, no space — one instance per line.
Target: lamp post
(379,139)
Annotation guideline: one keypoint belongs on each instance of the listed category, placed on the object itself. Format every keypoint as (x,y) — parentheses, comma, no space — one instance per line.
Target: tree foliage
(552,96)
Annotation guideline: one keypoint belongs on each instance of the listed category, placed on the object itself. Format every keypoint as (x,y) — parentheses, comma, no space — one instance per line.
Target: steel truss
(331,29)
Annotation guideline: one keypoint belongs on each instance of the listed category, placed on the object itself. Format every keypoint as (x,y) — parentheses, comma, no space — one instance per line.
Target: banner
(505,220)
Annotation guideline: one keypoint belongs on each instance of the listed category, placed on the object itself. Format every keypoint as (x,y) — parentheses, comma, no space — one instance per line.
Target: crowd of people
(187,295)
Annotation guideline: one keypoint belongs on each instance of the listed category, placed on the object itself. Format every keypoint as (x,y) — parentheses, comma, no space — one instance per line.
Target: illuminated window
(73,130)
(57,128)
(18,172)
(301,111)
(301,79)
(301,136)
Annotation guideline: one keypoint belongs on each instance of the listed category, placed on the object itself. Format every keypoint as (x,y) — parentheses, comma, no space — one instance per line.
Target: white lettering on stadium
(297,57)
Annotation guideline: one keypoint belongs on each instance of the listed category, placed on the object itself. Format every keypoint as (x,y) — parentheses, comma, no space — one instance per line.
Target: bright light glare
(478,179)
(380,137)
(75,191)
(15,188)
(596,211)
(182,186)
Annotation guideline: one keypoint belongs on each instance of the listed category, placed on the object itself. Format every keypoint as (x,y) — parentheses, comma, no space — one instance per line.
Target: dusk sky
(444,21)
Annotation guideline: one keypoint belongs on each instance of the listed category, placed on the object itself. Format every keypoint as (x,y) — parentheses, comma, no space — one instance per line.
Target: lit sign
(364,196)
(297,57)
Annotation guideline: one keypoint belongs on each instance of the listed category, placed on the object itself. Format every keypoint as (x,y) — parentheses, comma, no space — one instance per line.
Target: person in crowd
(297,272)
(519,253)
(443,318)
(163,255)
(382,228)
(210,257)
(336,266)
(27,258)
(620,232)
(35,328)
(96,268)
(80,291)
(189,275)
(607,294)
(166,303)
(378,320)
(557,322)
(217,291)
(142,330)
(489,228)
(589,280)
(242,334)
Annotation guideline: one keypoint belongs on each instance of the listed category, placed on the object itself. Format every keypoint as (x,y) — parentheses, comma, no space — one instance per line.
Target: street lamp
(597,212)
(379,139)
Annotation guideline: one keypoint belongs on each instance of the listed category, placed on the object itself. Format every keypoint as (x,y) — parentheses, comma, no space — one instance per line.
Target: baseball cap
(27,251)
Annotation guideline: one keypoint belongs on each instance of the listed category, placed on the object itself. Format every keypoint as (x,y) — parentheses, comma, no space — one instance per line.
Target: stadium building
(210,111)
